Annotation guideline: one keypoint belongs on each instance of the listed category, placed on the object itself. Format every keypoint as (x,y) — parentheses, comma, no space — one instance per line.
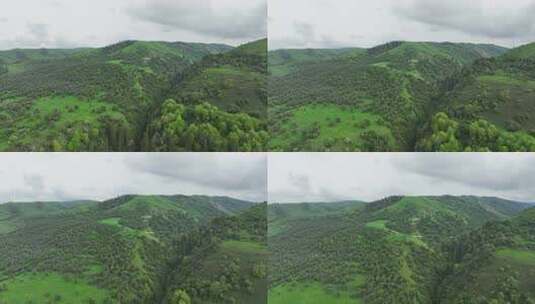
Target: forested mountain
(131,249)
(375,99)
(486,107)
(493,264)
(399,250)
(233,270)
(104,99)
(233,116)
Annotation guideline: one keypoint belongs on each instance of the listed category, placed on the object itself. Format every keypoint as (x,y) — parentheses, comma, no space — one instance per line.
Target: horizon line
(399,40)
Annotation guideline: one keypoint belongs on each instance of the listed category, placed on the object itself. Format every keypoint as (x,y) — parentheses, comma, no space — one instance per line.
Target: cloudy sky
(327,24)
(99,176)
(74,23)
(310,177)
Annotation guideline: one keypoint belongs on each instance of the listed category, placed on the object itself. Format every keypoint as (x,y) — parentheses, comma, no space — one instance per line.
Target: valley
(441,249)
(135,96)
(134,249)
(402,96)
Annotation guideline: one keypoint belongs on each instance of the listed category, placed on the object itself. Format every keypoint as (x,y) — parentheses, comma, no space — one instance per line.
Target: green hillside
(228,263)
(283,62)
(494,264)
(281,215)
(217,104)
(117,251)
(361,99)
(523,52)
(486,107)
(104,99)
(391,251)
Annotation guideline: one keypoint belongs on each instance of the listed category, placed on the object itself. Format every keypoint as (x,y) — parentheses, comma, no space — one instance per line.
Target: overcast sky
(99,176)
(328,24)
(311,177)
(74,23)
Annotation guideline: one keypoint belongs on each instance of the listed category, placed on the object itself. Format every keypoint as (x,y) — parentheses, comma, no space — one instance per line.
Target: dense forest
(134,249)
(402,96)
(112,98)
(459,250)
(199,249)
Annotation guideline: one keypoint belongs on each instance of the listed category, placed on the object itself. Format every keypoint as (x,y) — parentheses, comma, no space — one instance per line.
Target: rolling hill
(121,250)
(486,107)
(103,99)
(495,264)
(373,99)
(396,250)
(217,104)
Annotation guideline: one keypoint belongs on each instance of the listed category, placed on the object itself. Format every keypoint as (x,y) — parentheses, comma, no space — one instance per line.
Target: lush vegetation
(228,262)
(403,96)
(132,249)
(110,99)
(487,106)
(324,127)
(449,135)
(403,250)
(204,128)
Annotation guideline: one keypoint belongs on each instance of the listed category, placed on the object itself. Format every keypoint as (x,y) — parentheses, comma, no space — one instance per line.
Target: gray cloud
(299,181)
(472,17)
(508,173)
(97,23)
(35,182)
(305,31)
(230,172)
(205,17)
(38,30)
(306,35)
(343,23)
(371,176)
(37,35)
(98,176)
(33,187)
